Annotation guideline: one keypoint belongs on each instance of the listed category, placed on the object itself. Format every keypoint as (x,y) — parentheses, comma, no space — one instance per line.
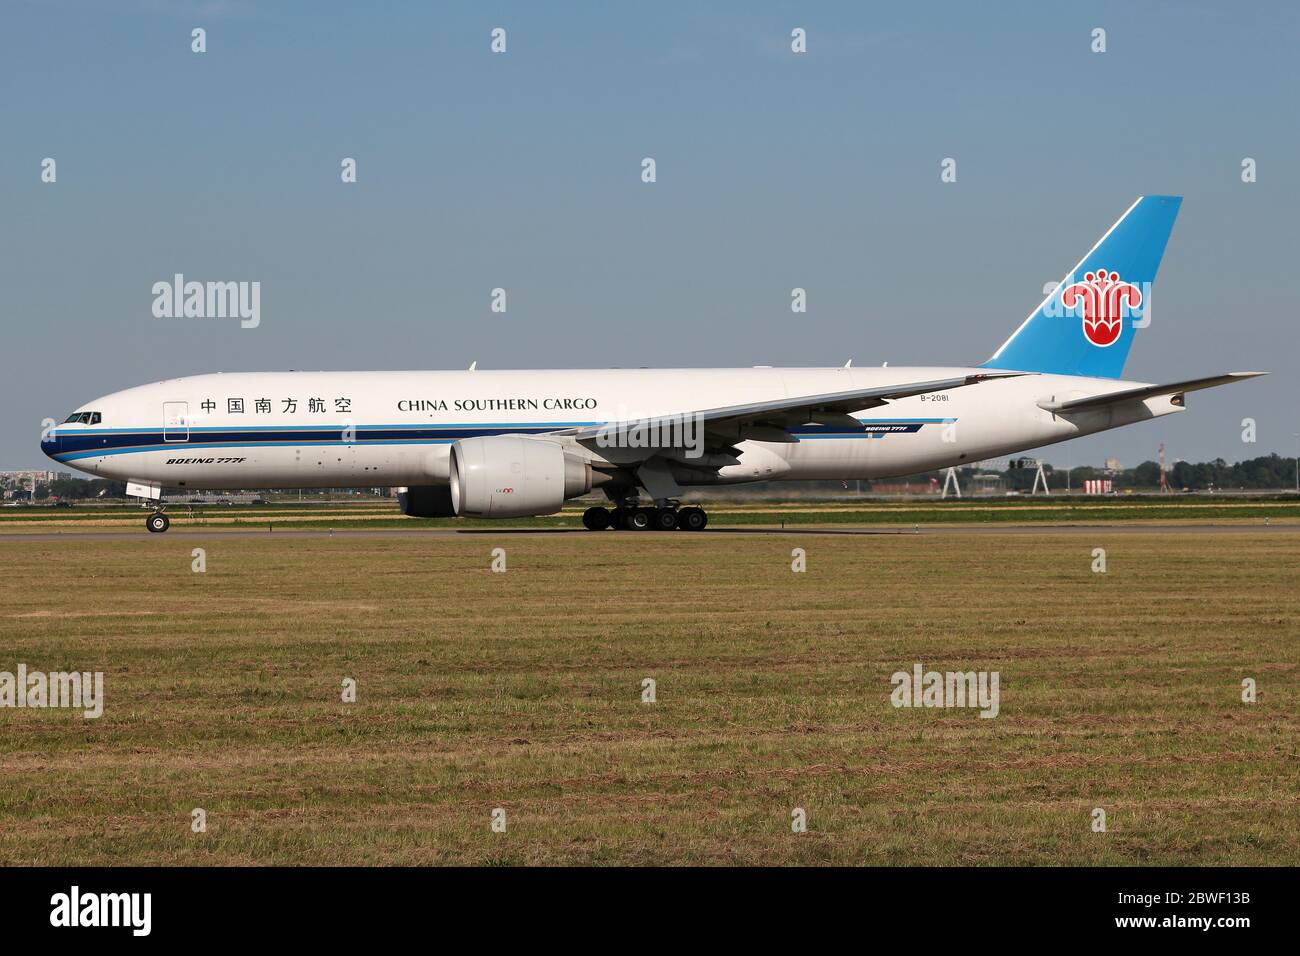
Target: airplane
(505,444)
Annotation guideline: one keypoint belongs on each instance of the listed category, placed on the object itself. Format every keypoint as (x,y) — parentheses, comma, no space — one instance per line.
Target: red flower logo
(1101,297)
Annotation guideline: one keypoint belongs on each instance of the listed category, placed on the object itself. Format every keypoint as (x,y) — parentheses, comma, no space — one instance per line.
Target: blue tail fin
(1085,327)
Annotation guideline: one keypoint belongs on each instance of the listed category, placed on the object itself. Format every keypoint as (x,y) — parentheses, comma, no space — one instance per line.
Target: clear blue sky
(522,171)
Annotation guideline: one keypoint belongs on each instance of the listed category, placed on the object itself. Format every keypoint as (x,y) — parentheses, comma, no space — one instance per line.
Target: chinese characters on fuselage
(262,406)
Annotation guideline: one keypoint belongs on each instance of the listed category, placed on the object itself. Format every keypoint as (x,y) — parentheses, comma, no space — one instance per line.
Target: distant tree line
(1269,471)
(74,488)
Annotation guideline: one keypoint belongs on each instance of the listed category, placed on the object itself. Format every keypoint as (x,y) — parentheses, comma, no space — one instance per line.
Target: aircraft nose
(51,442)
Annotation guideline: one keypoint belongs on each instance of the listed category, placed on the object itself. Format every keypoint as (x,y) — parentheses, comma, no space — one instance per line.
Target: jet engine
(511,476)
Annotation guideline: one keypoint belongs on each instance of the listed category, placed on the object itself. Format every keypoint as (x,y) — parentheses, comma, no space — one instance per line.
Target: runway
(1040,530)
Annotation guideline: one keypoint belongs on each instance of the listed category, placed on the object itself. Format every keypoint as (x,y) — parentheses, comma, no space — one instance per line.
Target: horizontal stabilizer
(1146,391)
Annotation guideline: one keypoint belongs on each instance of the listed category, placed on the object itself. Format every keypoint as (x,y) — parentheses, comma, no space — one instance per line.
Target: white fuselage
(366,429)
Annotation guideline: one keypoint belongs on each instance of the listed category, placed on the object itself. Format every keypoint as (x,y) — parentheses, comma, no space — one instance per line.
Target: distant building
(987,483)
(1113,467)
(26,476)
(925,486)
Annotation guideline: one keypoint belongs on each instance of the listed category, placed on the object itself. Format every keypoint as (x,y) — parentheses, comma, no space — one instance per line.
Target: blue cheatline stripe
(89,443)
(97,432)
(906,421)
(319,428)
(84,445)
(180,447)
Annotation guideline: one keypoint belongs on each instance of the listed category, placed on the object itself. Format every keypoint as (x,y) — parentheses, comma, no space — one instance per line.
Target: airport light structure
(1040,477)
(950,478)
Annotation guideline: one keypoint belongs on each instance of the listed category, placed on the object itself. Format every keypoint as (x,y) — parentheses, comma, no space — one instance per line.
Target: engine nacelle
(510,476)
(426,501)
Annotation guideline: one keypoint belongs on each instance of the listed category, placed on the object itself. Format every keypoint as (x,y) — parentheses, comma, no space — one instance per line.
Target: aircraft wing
(1146,391)
(830,408)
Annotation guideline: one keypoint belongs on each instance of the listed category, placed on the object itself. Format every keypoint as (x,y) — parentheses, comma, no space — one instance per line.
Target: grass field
(522,690)
(381,514)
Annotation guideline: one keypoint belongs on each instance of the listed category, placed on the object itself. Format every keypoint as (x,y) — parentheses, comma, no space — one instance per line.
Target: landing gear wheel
(638,519)
(665,519)
(595,519)
(157,522)
(692,519)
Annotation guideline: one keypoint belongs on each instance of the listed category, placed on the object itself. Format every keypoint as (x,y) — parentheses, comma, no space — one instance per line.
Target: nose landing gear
(157,522)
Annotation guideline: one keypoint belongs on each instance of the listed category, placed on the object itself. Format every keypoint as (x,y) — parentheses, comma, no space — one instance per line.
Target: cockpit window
(94,418)
(83,418)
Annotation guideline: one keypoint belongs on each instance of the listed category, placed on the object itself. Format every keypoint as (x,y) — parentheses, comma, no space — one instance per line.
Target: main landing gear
(645,519)
(157,522)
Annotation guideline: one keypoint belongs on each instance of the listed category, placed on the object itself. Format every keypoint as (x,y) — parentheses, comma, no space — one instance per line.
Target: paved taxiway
(803,530)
